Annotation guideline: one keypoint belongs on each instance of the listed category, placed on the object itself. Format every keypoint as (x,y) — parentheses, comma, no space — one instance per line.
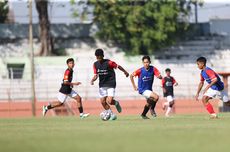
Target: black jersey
(68,76)
(167,83)
(106,73)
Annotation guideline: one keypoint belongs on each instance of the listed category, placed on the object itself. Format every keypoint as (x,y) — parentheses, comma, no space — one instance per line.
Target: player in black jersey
(66,90)
(104,69)
(168,83)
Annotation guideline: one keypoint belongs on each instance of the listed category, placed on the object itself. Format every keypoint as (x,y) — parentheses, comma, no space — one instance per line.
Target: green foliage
(140,27)
(4,9)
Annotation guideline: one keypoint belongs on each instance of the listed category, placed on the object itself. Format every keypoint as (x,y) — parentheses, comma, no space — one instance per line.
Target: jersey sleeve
(113,65)
(211,74)
(156,72)
(66,75)
(201,78)
(163,82)
(137,73)
(173,80)
(94,69)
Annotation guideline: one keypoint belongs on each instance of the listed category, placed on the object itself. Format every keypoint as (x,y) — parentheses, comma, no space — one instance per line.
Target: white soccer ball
(105,115)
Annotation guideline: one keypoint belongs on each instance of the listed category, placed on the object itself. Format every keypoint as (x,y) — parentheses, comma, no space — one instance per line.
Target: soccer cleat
(113,117)
(213,116)
(84,115)
(144,117)
(153,113)
(118,106)
(227,103)
(44,110)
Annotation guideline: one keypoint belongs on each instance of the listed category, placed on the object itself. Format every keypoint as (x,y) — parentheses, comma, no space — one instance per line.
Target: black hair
(99,52)
(146,57)
(167,70)
(201,59)
(69,60)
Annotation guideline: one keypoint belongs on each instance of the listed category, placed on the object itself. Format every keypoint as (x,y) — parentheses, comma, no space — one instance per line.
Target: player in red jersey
(168,82)
(215,87)
(104,69)
(66,90)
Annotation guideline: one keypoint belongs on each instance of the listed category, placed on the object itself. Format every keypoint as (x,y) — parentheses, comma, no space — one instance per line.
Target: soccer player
(214,88)
(167,85)
(66,90)
(104,69)
(145,81)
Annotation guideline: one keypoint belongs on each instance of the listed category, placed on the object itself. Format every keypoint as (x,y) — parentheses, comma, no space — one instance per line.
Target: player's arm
(163,85)
(213,81)
(95,75)
(157,73)
(66,77)
(133,83)
(94,79)
(200,86)
(114,65)
(123,70)
(213,78)
(175,83)
(134,74)
(71,83)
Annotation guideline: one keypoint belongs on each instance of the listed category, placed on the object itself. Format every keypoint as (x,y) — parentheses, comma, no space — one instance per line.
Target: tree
(140,27)
(4,9)
(44,28)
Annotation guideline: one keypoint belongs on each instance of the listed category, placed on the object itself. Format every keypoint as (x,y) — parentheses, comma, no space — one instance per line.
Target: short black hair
(201,59)
(99,52)
(69,60)
(167,70)
(146,57)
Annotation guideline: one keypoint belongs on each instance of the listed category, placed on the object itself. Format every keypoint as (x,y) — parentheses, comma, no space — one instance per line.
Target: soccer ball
(105,115)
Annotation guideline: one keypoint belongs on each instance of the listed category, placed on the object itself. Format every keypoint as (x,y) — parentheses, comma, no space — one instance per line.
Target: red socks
(210,108)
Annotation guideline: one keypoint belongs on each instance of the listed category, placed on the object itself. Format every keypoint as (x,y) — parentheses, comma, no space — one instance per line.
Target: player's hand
(164,90)
(135,88)
(77,83)
(92,82)
(197,97)
(126,74)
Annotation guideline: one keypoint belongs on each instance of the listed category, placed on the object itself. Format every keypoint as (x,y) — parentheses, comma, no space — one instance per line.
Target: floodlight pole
(32,60)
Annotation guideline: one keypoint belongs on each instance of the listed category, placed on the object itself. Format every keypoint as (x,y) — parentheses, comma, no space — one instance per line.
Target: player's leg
(170,101)
(78,100)
(111,100)
(103,93)
(147,95)
(208,106)
(61,99)
(145,111)
(224,97)
(165,104)
(152,101)
(206,101)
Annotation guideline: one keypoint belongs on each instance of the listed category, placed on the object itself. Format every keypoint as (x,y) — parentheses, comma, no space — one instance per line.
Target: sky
(60,11)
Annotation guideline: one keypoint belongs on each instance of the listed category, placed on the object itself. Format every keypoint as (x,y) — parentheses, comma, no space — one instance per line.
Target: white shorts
(170,98)
(106,91)
(222,95)
(62,97)
(147,94)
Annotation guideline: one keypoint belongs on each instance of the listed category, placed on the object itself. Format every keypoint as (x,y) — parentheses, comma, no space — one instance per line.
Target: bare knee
(205,100)
(171,104)
(78,98)
(110,100)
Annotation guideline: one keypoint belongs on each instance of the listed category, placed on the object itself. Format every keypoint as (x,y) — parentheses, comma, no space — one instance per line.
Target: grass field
(187,133)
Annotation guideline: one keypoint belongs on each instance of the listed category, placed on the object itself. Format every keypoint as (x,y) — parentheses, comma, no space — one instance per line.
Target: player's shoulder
(67,71)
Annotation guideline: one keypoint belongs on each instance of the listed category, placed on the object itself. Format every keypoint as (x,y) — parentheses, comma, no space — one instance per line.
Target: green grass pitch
(182,133)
